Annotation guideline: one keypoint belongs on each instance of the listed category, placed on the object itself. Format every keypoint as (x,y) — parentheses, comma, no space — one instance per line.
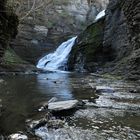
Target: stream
(112,112)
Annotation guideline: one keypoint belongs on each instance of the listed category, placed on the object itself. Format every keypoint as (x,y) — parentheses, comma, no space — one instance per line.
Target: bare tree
(24,8)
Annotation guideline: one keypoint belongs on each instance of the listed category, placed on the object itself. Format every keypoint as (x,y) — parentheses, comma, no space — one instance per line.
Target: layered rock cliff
(46,24)
(120,43)
(124,36)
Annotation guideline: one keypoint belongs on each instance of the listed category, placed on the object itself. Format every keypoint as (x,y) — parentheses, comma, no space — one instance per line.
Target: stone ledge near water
(18,136)
(63,105)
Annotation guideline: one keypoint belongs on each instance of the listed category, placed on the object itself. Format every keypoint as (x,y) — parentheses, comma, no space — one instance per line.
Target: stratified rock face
(132,12)
(122,28)
(115,34)
(8,27)
(120,44)
(60,19)
(87,54)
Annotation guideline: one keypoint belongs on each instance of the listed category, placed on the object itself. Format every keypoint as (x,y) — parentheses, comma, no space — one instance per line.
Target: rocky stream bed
(109,109)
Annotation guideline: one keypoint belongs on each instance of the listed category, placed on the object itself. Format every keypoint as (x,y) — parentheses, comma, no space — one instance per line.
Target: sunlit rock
(18,136)
(63,105)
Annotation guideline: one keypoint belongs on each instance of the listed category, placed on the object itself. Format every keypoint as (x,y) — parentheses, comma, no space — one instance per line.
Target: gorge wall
(119,45)
(124,36)
(8,27)
(46,24)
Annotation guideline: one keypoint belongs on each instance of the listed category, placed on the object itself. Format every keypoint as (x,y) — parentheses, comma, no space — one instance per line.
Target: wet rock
(133,91)
(18,136)
(87,54)
(1,81)
(104,89)
(54,99)
(45,104)
(93,99)
(56,123)
(92,85)
(63,105)
(35,124)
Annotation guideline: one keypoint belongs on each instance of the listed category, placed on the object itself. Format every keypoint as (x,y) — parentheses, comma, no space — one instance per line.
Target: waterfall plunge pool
(116,117)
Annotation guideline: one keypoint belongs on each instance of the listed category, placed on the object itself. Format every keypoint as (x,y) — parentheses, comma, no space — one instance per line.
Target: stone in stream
(35,124)
(18,136)
(45,104)
(104,89)
(63,105)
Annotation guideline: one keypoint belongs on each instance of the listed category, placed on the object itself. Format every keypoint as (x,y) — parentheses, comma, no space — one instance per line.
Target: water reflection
(22,93)
(55,85)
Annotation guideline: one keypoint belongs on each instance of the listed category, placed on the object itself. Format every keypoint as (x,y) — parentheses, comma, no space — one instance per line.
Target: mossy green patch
(89,46)
(11,58)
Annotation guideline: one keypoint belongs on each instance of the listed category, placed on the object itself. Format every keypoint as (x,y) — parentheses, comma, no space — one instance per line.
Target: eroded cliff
(120,44)
(46,24)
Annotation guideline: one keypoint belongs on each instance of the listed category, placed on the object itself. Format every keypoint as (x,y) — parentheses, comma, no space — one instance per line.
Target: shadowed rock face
(122,27)
(8,27)
(87,54)
(120,42)
(115,34)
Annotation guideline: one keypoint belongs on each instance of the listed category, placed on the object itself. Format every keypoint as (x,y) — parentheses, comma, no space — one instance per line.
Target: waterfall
(100,15)
(58,59)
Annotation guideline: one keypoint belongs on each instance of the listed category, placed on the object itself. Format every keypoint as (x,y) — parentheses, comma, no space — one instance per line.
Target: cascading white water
(58,59)
(100,15)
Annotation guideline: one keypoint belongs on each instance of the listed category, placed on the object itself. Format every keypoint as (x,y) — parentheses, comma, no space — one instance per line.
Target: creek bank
(112,101)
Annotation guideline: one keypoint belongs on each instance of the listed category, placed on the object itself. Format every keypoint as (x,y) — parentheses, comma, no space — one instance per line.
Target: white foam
(58,59)
(100,15)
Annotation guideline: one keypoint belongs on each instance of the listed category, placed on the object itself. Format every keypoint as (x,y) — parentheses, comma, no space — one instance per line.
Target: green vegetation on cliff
(11,58)
(8,26)
(85,53)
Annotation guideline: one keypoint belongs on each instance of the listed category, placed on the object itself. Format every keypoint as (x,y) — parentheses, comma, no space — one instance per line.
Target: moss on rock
(8,26)
(88,48)
(11,58)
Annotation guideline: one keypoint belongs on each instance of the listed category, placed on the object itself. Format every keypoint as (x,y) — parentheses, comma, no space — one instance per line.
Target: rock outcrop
(120,42)
(122,27)
(46,24)
(86,53)
(8,26)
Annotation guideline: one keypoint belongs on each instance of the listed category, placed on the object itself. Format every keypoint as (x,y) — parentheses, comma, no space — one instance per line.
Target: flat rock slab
(104,89)
(63,105)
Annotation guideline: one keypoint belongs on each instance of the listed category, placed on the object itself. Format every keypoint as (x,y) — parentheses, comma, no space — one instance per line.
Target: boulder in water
(63,105)
(45,104)
(18,136)
(35,124)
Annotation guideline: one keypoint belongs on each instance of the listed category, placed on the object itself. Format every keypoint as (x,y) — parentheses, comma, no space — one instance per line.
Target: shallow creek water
(112,113)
